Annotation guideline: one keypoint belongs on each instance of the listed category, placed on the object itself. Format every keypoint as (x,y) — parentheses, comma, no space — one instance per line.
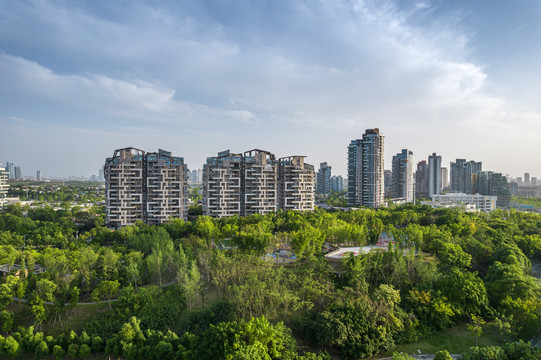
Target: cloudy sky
(79,79)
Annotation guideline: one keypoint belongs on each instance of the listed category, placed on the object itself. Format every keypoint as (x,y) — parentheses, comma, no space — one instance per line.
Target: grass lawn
(456,340)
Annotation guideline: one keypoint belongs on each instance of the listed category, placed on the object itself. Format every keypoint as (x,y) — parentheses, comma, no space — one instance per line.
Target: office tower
(256,183)
(444,178)
(150,187)
(38,175)
(421,180)
(10,169)
(402,176)
(365,170)
(337,184)
(323,181)
(296,182)
(461,175)
(259,183)
(526,178)
(3,186)
(18,174)
(434,175)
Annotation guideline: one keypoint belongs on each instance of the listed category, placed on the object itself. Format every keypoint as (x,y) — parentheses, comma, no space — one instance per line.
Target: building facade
(323,180)
(337,184)
(421,180)
(255,182)
(365,170)
(493,184)
(434,175)
(481,202)
(461,175)
(151,187)
(402,176)
(3,186)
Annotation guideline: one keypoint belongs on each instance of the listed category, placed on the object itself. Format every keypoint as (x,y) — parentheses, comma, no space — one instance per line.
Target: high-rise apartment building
(526,178)
(402,176)
(3,186)
(444,178)
(38,175)
(10,169)
(337,184)
(18,173)
(387,183)
(259,183)
(256,183)
(296,182)
(461,175)
(434,175)
(493,184)
(222,177)
(421,180)
(365,170)
(323,181)
(151,187)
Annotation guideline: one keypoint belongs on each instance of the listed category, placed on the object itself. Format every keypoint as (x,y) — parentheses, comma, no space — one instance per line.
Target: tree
(107,290)
(476,326)
(443,355)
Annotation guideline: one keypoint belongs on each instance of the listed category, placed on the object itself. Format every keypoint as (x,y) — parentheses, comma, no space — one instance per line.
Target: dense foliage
(445,267)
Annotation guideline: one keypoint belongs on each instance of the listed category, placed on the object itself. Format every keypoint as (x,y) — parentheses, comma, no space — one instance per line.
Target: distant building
(100,175)
(526,178)
(3,186)
(151,187)
(434,175)
(387,183)
(402,176)
(38,175)
(337,184)
(421,180)
(365,170)
(493,184)
(444,178)
(323,179)
(10,168)
(461,175)
(481,202)
(18,174)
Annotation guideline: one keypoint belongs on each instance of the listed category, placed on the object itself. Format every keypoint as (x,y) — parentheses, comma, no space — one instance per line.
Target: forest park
(72,288)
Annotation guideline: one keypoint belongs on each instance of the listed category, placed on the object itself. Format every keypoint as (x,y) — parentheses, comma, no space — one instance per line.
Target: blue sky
(79,79)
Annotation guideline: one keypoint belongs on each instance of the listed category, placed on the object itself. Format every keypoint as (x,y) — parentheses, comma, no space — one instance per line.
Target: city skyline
(80,80)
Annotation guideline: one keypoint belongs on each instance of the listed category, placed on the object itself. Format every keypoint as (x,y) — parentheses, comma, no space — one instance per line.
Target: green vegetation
(536,202)
(168,292)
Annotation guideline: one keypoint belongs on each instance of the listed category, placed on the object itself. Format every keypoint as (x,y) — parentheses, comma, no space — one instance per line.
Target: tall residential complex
(151,187)
(365,170)
(421,180)
(10,168)
(3,186)
(444,178)
(323,180)
(256,183)
(434,175)
(337,183)
(402,176)
(493,184)
(461,175)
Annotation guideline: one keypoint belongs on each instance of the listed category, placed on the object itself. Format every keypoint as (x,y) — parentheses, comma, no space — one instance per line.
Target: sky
(79,79)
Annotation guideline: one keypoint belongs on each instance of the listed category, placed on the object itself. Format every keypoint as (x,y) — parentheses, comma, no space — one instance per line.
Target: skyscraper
(323,181)
(337,184)
(365,170)
(434,175)
(18,174)
(444,178)
(38,175)
(151,187)
(10,169)
(461,175)
(421,180)
(402,176)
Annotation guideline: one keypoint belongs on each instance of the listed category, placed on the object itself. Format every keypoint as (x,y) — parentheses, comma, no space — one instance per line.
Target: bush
(42,350)
(58,351)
